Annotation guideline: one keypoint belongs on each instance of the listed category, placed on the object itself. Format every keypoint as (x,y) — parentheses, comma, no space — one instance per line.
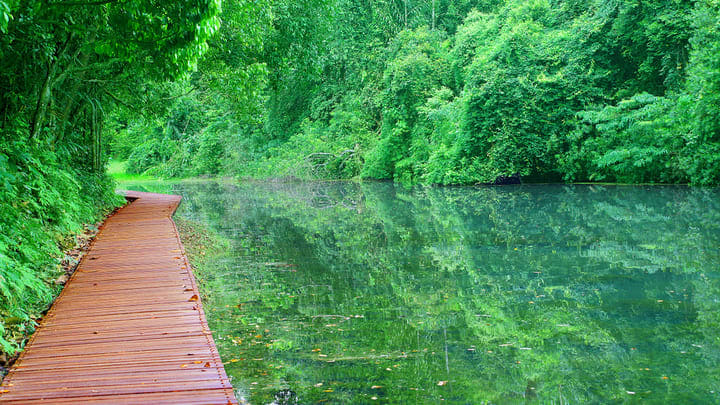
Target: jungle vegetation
(64,67)
(444,92)
(415,91)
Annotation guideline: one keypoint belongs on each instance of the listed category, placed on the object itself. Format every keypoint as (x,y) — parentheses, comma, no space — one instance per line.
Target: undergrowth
(44,202)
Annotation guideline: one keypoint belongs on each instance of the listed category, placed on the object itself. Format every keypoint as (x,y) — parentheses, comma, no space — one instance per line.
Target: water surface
(373,293)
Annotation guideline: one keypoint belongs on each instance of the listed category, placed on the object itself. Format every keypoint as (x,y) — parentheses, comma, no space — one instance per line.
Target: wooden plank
(129,328)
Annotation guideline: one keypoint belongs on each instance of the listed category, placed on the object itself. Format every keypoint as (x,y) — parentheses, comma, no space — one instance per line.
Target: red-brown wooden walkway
(128,327)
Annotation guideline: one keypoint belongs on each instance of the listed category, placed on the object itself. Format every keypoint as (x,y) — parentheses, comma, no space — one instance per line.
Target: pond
(374,293)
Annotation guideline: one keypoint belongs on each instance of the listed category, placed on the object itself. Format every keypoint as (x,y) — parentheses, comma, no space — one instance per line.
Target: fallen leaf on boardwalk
(194,298)
(4,391)
(441,383)
(207,364)
(183,366)
(197,362)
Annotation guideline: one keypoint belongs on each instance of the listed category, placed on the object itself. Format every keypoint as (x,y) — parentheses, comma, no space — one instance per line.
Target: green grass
(117,170)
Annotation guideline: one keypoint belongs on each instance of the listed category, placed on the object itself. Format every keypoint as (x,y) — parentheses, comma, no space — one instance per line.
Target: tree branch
(114,97)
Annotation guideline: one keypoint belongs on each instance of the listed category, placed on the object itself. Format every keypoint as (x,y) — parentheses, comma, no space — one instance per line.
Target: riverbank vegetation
(64,66)
(444,92)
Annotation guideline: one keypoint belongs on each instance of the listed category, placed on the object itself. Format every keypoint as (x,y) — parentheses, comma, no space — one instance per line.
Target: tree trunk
(38,117)
(433,15)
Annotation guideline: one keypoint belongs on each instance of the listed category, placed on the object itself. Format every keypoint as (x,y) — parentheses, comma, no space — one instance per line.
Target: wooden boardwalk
(128,327)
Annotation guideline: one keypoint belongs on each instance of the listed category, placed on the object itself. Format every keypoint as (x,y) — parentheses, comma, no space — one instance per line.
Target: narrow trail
(129,326)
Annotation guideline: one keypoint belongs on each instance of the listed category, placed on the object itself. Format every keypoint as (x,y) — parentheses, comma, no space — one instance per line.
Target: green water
(371,293)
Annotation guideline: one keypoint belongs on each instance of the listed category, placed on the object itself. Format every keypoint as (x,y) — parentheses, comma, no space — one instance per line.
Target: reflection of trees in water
(553,292)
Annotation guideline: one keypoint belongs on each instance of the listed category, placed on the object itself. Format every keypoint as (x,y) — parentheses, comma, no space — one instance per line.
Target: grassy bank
(118,171)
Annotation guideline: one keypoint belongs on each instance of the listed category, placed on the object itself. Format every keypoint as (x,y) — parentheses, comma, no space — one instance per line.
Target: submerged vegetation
(345,291)
(445,92)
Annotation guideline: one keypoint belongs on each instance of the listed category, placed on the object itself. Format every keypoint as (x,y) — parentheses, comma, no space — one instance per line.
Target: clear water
(373,293)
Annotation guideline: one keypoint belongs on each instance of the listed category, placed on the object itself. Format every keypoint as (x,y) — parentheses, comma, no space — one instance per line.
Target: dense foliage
(63,66)
(447,92)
